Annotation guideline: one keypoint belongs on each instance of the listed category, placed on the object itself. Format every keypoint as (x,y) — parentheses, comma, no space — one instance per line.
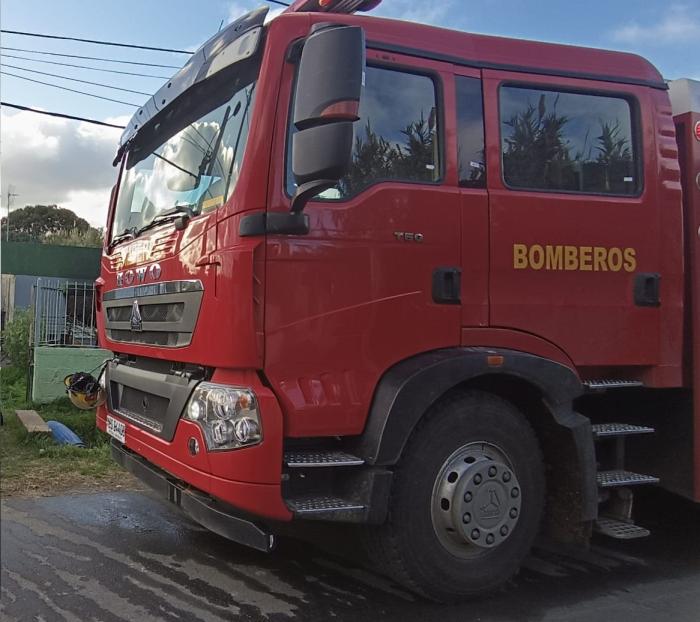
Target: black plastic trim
(274,223)
(175,389)
(647,288)
(447,286)
(477,64)
(216,516)
(409,388)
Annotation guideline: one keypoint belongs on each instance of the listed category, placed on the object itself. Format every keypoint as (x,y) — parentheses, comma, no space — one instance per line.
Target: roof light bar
(332,6)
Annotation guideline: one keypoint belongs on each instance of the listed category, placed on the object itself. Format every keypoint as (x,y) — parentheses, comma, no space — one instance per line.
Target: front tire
(466,501)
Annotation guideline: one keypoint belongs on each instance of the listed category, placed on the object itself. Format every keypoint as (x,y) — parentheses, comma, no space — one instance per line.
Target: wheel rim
(476,500)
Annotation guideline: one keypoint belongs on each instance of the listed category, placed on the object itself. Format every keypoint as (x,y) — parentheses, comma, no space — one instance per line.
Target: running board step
(308,458)
(619,477)
(619,530)
(324,507)
(608,430)
(598,385)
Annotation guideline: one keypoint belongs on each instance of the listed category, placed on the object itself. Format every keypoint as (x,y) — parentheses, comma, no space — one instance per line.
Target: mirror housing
(326,104)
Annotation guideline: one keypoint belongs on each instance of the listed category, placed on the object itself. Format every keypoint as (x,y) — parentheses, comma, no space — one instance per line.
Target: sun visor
(238,41)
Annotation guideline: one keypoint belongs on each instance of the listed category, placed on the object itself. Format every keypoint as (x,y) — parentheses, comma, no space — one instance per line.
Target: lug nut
(467,518)
(506,476)
(467,497)
(477,478)
(475,534)
(492,471)
(515,493)
(514,513)
(490,539)
(504,530)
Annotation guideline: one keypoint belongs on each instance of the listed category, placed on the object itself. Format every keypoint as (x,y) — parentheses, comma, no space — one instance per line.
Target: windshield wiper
(177,166)
(128,234)
(185,212)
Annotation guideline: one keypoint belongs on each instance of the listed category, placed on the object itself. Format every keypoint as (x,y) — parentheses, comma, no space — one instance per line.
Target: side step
(309,458)
(620,477)
(607,430)
(322,507)
(619,530)
(615,482)
(601,385)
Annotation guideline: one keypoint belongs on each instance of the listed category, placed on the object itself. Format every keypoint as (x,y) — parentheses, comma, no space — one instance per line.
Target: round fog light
(245,429)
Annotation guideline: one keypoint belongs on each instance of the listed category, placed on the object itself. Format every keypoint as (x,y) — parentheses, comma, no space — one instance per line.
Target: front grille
(168,313)
(150,337)
(149,313)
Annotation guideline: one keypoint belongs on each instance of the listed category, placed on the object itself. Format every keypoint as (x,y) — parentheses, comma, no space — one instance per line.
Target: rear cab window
(566,141)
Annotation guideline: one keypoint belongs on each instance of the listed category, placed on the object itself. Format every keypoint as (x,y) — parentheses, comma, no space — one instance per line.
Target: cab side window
(396,137)
(568,142)
(471,159)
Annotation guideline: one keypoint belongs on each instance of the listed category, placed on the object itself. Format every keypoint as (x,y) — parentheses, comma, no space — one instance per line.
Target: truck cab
(366,271)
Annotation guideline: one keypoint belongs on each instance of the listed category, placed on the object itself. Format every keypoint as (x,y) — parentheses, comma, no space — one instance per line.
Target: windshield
(194,167)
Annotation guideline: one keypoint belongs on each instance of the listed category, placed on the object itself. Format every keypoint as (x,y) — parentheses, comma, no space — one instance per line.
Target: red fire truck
(440,284)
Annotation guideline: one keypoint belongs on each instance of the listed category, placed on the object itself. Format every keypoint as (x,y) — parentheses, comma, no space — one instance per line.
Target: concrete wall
(52,364)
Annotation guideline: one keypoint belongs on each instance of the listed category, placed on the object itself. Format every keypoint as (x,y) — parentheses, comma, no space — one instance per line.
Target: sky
(48,160)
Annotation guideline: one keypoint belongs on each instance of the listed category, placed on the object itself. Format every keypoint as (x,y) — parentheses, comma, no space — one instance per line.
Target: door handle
(447,285)
(647,289)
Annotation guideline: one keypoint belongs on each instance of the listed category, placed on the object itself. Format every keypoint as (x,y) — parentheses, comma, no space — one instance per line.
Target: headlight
(228,416)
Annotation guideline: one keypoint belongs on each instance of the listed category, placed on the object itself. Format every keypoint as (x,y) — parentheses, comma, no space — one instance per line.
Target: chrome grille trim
(145,422)
(154,289)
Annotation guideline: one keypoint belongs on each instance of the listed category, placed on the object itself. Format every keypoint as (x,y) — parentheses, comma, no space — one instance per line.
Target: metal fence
(64,313)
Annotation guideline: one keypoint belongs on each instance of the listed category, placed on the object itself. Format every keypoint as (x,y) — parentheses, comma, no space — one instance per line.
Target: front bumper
(248,479)
(208,512)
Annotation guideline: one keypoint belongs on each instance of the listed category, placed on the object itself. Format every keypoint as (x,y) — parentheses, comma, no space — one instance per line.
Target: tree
(75,237)
(35,222)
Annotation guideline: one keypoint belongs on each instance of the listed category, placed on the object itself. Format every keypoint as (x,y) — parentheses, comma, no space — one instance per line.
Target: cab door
(376,279)
(574,219)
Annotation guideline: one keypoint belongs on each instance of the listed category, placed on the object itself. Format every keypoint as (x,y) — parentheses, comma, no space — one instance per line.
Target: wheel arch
(542,389)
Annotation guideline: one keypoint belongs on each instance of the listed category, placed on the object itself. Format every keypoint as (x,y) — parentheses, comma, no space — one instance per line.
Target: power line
(96,41)
(102,58)
(53,62)
(56,75)
(65,88)
(278,2)
(61,115)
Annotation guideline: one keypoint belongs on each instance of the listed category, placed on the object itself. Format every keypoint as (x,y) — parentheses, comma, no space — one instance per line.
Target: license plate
(117,429)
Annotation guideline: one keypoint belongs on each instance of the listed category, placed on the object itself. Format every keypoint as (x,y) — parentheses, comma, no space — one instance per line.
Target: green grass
(34,463)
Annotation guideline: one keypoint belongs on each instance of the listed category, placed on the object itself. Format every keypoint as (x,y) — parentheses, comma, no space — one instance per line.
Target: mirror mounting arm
(307,191)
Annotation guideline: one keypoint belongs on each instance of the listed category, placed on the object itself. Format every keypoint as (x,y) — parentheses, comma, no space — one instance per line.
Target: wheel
(466,500)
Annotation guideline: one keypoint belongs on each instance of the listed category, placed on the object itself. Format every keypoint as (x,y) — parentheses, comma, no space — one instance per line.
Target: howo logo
(139,275)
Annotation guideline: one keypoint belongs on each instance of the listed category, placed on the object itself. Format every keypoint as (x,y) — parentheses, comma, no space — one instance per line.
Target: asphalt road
(129,556)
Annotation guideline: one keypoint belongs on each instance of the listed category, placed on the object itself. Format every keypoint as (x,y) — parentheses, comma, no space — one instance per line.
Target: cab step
(620,530)
(603,384)
(620,477)
(324,507)
(310,458)
(610,430)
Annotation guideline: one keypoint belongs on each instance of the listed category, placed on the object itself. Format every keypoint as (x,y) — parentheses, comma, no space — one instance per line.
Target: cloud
(679,25)
(237,9)
(433,13)
(49,160)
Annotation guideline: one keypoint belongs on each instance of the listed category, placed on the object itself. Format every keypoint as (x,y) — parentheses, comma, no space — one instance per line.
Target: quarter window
(572,142)
(396,137)
(471,158)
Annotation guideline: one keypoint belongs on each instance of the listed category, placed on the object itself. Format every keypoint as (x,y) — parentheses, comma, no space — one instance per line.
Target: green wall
(53,364)
(70,262)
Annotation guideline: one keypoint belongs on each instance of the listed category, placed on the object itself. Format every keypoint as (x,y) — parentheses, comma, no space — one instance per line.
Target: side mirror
(326,104)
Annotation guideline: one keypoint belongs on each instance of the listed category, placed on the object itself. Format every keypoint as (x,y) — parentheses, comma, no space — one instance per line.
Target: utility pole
(10,195)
